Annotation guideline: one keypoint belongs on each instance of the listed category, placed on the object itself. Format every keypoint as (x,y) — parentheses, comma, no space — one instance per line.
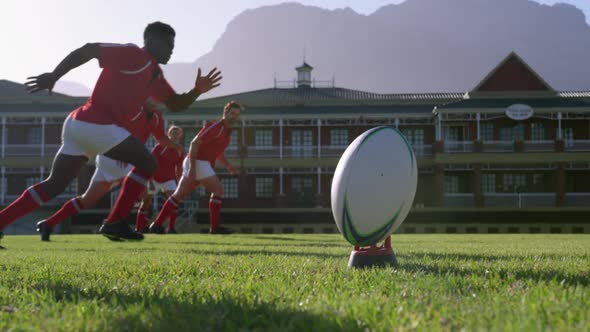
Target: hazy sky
(37,34)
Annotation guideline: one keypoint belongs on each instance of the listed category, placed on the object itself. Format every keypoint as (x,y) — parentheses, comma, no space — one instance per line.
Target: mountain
(10,89)
(71,88)
(415,46)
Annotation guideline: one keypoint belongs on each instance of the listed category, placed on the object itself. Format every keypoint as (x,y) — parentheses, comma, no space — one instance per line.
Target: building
(511,146)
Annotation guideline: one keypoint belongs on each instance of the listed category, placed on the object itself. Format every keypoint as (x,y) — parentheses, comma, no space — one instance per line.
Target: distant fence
(473,220)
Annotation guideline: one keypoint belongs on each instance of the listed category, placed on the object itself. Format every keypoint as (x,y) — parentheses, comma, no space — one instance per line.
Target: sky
(37,34)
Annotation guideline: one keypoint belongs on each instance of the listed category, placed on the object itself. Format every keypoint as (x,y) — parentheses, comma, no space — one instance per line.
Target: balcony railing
(57,200)
(274,151)
(332,150)
(288,151)
(264,151)
(51,149)
(458,146)
(310,151)
(232,152)
(577,145)
(497,146)
(422,149)
(30,149)
(577,199)
(539,146)
(519,200)
(22,150)
(459,199)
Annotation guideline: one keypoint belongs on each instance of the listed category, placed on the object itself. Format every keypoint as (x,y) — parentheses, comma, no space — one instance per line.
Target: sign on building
(519,112)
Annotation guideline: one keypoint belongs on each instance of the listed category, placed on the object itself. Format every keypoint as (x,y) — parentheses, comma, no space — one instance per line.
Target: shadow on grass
(443,265)
(220,252)
(193,312)
(285,238)
(262,244)
(257,253)
(484,257)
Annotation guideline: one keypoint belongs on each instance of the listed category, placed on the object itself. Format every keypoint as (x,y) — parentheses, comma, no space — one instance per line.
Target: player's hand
(42,82)
(206,83)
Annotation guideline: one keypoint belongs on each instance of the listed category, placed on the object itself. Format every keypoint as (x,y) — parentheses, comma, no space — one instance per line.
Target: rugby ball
(374,186)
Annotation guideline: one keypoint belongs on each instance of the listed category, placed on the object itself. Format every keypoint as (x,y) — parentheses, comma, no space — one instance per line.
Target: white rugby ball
(374,186)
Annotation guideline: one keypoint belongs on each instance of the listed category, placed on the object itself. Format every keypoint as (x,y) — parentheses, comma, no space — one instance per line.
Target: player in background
(130,75)
(206,148)
(109,172)
(164,180)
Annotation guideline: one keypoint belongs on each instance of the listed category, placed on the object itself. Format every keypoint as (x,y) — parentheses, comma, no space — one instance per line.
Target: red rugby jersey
(129,76)
(169,163)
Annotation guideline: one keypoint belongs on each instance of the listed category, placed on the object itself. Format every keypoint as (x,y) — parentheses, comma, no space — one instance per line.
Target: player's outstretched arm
(203,84)
(223,160)
(75,59)
(167,142)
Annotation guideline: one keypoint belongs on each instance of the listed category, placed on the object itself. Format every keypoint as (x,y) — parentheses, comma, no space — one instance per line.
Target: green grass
(294,283)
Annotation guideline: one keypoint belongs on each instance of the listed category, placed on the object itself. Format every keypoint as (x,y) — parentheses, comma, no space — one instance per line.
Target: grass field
(294,283)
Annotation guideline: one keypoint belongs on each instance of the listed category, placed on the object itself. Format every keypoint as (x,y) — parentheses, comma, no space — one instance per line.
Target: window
(568,137)
(302,142)
(230,187)
(514,182)
(32,180)
(415,136)
(72,188)
(538,132)
(3,189)
(506,134)
(339,136)
(233,140)
(301,184)
(304,76)
(263,139)
(486,132)
(232,147)
(518,132)
(512,133)
(538,182)
(264,187)
(488,183)
(34,135)
(189,134)
(451,184)
(454,133)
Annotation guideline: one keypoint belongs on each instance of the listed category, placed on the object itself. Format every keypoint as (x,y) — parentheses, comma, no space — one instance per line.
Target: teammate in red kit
(164,180)
(109,172)
(130,76)
(207,147)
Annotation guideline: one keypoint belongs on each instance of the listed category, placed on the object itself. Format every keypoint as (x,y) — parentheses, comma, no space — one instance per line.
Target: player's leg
(107,173)
(64,169)
(167,189)
(185,187)
(79,140)
(97,190)
(132,151)
(172,221)
(142,220)
(213,185)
